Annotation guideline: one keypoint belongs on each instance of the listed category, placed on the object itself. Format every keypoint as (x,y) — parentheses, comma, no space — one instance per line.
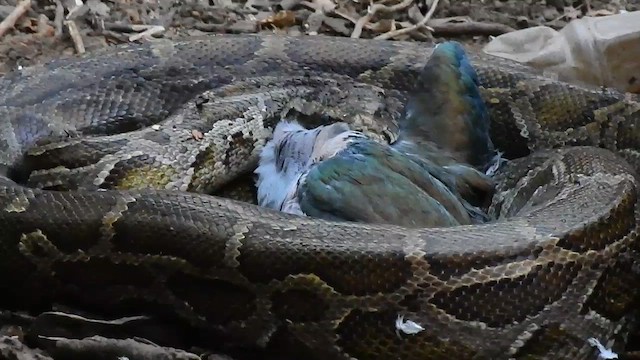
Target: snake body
(107,160)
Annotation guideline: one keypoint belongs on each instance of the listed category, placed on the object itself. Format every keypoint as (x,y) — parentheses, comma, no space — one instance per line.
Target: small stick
(126,27)
(10,21)
(420,24)
(470,28)
(150,30)
(58,20)
(334,11)
(357,31)
(75,36)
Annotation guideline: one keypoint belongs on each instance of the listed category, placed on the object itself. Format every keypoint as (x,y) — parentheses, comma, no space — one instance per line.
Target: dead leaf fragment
(282,19)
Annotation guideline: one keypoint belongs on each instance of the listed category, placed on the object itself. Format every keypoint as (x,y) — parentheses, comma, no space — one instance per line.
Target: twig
(113,36)
(59,18)
(150,30)
(348,18)
(240,27)
(75,36)
(420,24)
(120,31)
(562,16)
(470,28)
(334,11)
(373,10)
(10,21)
(129,28)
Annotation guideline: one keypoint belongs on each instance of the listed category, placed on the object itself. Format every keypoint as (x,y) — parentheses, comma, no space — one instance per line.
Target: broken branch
(470,28)
(373,10)
(10,21)
(420,24)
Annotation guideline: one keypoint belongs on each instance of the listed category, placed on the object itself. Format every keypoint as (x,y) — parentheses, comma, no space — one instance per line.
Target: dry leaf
(44,28)
(282,19)
(383,26)
(29,25)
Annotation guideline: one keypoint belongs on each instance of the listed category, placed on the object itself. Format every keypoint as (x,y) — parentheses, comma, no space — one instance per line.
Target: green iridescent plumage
(446,112)
(372,182)
(425,179)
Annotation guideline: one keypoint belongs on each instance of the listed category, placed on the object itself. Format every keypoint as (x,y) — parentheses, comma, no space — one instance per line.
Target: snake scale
(108,160)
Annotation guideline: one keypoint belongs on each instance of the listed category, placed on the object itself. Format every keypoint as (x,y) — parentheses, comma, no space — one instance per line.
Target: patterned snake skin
(173,119)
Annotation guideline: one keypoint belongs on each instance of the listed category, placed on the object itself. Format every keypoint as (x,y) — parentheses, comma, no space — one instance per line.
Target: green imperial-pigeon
(432,176)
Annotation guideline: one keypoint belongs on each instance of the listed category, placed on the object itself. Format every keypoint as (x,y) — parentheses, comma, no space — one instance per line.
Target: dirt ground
(46,29)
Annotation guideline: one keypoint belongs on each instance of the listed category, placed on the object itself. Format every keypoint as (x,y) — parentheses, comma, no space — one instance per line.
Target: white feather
(603,353)
(289,155)
(407,326)
(274,181)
